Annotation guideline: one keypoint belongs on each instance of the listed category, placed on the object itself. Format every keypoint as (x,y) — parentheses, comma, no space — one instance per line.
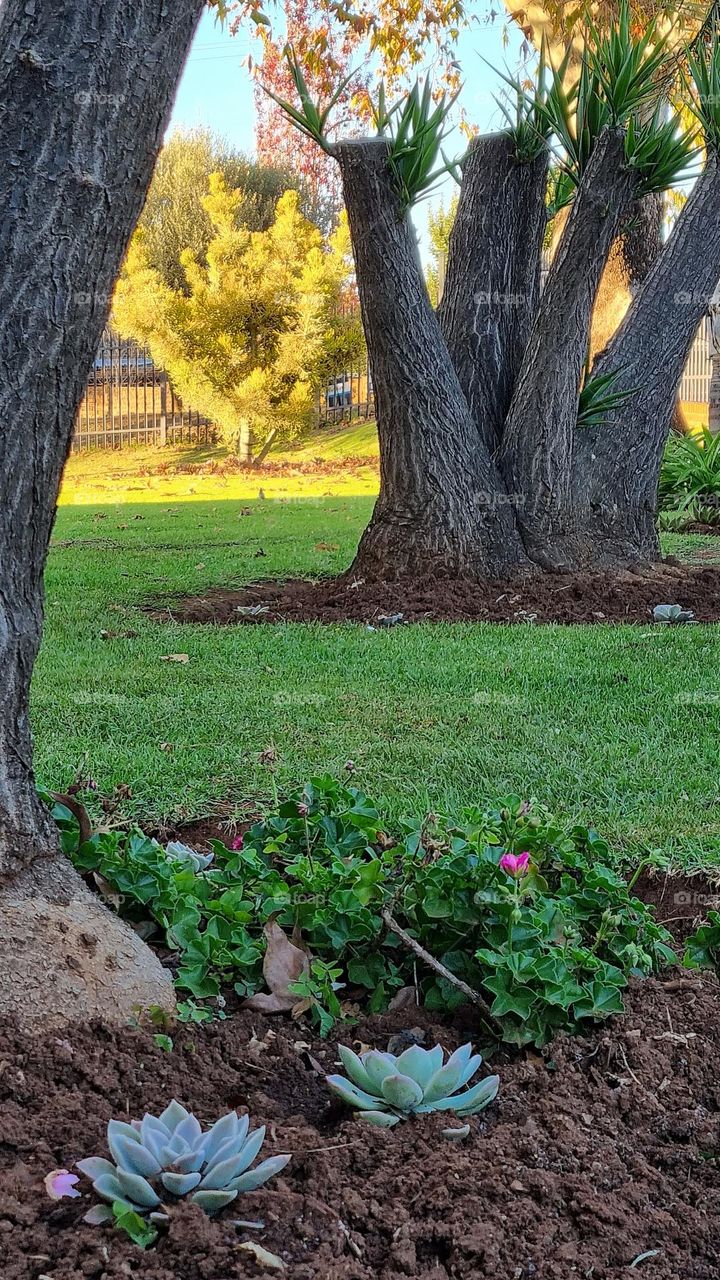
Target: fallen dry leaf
(175,657)
(405,998)
(283,963)
(263,1256)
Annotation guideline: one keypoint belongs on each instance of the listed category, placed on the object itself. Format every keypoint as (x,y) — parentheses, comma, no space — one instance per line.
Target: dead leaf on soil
(405,998)
(283,964)
(106,891)
(263,1256)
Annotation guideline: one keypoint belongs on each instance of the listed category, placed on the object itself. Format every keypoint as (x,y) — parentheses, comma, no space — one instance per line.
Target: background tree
(330,40)
(545,464)
(440,225)
(245,337)
(88,89)
(174,217)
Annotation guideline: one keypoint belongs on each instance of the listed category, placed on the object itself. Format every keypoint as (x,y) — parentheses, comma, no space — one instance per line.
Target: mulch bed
(561,598)
(600,1150)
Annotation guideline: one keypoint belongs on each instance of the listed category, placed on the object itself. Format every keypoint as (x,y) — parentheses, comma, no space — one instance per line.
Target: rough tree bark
(551,494)
(616,467)
(537,443)
(492,280)
(85,94)
(442,506)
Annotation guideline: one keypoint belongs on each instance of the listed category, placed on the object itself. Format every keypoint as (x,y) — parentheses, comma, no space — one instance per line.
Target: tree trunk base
(64,957)
(397,546)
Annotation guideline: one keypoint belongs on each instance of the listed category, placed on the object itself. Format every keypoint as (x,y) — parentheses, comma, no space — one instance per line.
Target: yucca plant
(311,117)
(661,149)
(619,74)
(704,67)
(627,68)
(416,127)
(527,124)
(167,1157)
(385,1088)
(575,116)
(597,399)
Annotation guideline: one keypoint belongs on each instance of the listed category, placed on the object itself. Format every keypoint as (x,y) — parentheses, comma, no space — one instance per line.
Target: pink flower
(515,864)
(60,1183)
(237,842)
(303,810)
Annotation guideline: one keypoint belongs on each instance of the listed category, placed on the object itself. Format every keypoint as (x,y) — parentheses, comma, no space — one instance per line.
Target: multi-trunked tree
(501,449)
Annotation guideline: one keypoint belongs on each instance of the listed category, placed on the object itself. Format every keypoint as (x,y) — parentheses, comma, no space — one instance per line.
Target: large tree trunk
(537,444)
(85,94)
(616,465)
(492,280)
(442,508)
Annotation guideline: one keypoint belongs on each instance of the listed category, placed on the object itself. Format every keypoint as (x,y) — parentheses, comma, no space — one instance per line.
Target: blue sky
(216,89)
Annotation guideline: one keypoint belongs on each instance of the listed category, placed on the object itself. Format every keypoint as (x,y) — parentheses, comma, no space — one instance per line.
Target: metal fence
(129,400)
(346,396)
(695,382)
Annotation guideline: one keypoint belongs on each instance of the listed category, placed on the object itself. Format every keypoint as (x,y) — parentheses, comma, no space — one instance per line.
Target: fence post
(163,409)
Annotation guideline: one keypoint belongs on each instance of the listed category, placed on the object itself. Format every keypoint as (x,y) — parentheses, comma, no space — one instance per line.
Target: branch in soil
(473,996)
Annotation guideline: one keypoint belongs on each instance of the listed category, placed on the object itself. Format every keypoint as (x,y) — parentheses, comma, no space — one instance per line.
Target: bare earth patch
(562,598)
(600,1150)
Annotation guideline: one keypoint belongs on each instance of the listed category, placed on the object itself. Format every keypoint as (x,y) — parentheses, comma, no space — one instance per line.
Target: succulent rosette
(385,1088)
(167,1157)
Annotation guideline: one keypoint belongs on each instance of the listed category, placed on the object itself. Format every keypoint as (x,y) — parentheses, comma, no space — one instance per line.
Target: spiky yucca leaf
(527,124)
(627,67)
(415,127)
(312,117)
(690,477)
(661,150)
(385,1088)
(170,1156)
(704,66)
(597,399)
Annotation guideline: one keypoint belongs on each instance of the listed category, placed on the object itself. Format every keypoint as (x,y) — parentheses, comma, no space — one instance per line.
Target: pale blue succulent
(176,851)
(385,1088)
(166,1157)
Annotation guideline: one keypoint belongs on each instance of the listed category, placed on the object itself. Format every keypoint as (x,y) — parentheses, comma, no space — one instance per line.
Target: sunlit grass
(616,726)
(206,474)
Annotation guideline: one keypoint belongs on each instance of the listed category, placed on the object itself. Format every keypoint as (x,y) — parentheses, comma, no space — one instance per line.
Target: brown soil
(680,902)
(563,598)
(600,1151)
(697,526)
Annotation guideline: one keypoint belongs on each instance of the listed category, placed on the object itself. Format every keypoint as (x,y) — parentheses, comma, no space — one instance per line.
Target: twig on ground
(432,963)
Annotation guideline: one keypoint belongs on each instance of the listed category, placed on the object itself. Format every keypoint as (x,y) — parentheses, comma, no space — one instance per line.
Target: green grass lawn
(614,725)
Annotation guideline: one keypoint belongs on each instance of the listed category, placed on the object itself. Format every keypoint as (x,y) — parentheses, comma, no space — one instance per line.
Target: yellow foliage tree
(247,340)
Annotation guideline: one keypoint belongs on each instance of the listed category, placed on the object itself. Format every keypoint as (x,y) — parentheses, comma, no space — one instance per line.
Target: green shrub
(689,490)
(702,949)
(548,948)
